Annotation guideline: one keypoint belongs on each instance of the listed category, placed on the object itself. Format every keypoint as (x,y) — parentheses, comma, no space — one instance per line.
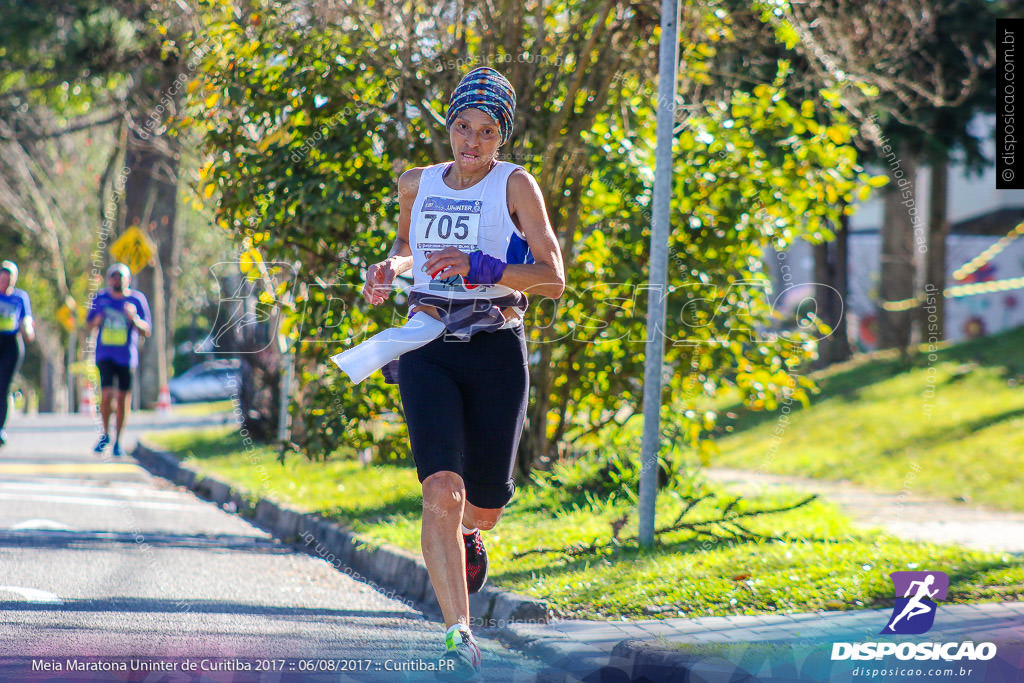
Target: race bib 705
(448,222)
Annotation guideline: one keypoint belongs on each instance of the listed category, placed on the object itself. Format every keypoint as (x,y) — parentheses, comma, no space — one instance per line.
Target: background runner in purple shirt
(121,314)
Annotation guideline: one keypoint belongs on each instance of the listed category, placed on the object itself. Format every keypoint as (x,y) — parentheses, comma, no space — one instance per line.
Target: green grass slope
(948,424)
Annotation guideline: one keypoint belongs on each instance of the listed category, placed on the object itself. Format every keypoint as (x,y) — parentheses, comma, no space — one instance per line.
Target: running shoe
(461,659)
(3,436)
(476,561)
(101,445)
(118,451)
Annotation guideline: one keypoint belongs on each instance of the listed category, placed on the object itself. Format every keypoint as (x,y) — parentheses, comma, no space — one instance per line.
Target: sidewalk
(905,516)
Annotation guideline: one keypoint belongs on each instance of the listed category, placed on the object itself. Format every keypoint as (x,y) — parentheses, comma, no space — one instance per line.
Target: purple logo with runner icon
(914,609)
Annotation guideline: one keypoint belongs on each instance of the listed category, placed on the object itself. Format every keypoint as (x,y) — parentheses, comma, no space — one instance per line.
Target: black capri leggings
(465,403)
(12,349)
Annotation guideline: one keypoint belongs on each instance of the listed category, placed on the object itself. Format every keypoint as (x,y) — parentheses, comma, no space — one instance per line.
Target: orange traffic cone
(163,402)
(86,405)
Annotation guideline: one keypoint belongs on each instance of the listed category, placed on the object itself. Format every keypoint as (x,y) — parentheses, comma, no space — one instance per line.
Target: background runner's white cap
(11,267)
(119,268)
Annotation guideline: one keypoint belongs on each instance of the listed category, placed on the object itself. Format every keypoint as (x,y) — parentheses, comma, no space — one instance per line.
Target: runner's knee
(444,492)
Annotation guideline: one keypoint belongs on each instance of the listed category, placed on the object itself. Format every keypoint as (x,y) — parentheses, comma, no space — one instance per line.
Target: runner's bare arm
(28,330)
(136,320)
(546,276)
(408,186)
(379,276)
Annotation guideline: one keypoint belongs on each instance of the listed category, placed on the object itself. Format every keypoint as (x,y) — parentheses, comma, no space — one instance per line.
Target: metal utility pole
(668,58)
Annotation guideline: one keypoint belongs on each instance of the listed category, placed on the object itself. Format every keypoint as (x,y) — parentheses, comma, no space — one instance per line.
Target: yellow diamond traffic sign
(66,317)
(133,248)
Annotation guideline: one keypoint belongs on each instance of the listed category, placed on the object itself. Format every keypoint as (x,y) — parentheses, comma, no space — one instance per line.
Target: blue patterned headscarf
(490,92)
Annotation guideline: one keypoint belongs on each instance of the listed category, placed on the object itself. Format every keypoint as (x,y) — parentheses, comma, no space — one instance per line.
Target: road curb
(568,660)
(647,661)
(393,570)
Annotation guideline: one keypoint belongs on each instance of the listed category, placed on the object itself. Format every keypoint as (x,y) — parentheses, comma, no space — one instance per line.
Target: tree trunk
(831,285)
(933,313)
(52,383)
(151,195)
(897,256)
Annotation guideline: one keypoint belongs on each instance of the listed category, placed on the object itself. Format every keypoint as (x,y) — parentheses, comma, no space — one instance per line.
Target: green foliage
(68,56)
(307,124)
(750,173)
(299,154)
(610,473)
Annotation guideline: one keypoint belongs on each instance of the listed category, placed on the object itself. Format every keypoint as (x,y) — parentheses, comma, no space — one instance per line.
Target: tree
(94,64)
(911,74)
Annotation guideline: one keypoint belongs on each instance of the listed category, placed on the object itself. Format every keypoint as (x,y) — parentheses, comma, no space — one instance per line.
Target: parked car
(213,380)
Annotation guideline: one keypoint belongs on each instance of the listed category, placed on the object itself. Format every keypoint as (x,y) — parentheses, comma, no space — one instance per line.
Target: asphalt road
(103,565)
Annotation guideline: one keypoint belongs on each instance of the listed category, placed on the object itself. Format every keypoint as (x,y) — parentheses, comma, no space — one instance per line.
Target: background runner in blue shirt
(121,314)
(15,324)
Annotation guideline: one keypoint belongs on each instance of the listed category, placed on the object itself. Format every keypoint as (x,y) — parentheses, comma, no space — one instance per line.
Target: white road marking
(41,525)
(33,595)
(101,502)
(50,487)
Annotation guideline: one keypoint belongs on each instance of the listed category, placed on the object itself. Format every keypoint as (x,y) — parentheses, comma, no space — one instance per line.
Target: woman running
(15,324)
(475,233)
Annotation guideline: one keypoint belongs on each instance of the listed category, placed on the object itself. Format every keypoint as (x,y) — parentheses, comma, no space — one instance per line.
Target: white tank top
(470,219)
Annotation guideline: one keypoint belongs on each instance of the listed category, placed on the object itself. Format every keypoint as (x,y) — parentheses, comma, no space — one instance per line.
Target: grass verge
(824,563)
(951,420)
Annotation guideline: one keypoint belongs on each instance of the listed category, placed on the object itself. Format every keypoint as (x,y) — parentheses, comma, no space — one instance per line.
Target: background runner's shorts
(465,404)
(114,375)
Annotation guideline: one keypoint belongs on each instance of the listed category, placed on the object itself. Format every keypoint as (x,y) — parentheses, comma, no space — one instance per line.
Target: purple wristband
(484,269)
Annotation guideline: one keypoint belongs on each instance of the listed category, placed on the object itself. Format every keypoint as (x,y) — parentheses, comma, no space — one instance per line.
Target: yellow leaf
(211,99)
(878,181)
(829,96)
(245,262)
(287,324)
(837,135)
(248,260)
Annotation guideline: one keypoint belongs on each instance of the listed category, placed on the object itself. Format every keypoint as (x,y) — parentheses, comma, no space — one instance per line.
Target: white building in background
(979,215)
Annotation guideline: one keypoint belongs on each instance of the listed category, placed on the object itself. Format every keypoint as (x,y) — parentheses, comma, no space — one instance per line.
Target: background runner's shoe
(476,561)
(461,660)
(101,445)
(118,451)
